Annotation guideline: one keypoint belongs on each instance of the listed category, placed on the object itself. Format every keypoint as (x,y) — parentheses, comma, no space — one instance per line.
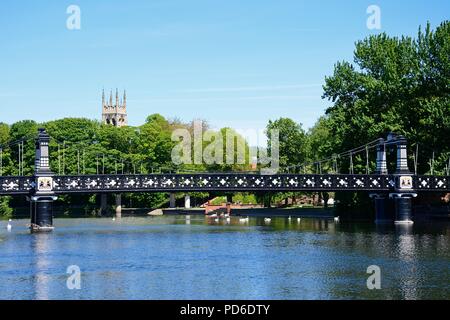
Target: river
(170,257)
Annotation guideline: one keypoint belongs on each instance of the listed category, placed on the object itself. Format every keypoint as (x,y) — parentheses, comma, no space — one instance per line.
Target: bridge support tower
(42,195)
(383,210)
(404,190)
(397,204)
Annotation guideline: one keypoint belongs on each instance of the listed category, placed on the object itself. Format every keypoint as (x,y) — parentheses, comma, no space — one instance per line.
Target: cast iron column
(381,158)
(404,189)
(383,214)
(42,195)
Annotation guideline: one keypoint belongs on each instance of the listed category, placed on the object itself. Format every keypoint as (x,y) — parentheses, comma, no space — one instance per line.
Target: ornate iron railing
(221,182)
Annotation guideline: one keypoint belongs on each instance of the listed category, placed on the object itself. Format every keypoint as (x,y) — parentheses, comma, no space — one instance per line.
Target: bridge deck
(204,182)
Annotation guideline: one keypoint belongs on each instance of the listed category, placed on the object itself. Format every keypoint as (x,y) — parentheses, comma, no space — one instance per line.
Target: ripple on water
(171,258)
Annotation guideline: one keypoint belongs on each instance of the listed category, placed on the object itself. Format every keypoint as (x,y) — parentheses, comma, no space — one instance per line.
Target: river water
(170,257)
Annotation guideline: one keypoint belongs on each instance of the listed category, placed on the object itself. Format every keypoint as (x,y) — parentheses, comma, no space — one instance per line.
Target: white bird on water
(244,219)
(336,219)
(9,226)
(113,219)
(299,220)
(267,220)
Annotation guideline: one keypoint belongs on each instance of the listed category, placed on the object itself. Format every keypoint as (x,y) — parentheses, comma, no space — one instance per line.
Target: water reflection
(40,245)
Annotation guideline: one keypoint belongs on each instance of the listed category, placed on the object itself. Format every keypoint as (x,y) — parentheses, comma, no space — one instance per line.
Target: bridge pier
(172,202)
(187,201)
(267,200)
(103,204)
(118,205)
(403,208)
(383,210)
(42,194)
(41,212)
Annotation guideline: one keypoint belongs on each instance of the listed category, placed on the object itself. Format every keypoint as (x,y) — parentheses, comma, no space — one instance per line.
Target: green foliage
(292,141)
(155,142)
(4,133)
(240,197)
(395,84)
(217,201)
(293,148)
(245,198)
(5,209)
(320,142)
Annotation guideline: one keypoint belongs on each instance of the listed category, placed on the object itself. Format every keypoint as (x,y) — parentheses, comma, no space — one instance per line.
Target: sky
(232,63)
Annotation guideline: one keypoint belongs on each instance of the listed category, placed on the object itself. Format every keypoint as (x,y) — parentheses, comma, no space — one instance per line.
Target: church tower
(114,113)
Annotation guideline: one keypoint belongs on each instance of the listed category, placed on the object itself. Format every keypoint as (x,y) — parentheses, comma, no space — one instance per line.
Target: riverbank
(420,213)
(266,212)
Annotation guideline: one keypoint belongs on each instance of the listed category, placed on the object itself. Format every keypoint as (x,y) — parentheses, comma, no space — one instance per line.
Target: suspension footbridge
(43,186)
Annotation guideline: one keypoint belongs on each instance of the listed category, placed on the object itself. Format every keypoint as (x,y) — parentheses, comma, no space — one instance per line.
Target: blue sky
(233,63)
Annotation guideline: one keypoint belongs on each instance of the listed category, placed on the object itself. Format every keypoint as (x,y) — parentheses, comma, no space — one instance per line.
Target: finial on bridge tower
(42,163)
(381,157)
(402,155)
(401,144)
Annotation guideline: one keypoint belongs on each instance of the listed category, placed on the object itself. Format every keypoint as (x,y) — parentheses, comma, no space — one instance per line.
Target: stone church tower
(114,114)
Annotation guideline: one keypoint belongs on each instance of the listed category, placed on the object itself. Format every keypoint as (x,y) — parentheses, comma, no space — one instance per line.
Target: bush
(5,209)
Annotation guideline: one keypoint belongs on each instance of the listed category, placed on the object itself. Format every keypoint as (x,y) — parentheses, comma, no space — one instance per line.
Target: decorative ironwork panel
(221,182)
(15,185)
(432,183)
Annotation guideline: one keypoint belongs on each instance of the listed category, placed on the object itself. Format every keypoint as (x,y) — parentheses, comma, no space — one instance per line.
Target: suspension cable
(367,160)
(351,163)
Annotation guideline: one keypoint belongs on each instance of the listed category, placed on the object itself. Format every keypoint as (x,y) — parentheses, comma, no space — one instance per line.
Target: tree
(395,84)
(5,209)
(4,133)
(319,141)
(292,150)
(292,141)
(155,142)
(23,130)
